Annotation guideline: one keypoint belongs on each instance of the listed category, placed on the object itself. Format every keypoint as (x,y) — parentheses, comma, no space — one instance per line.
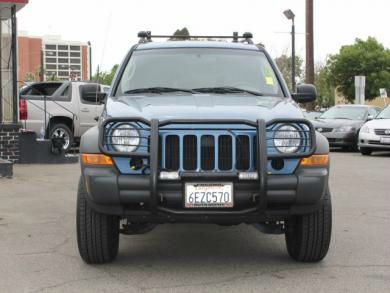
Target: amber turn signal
(96,159)
(315,161)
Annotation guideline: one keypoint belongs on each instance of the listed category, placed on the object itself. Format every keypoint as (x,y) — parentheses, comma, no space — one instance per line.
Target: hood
(379,123)
(335,123)
(203,106)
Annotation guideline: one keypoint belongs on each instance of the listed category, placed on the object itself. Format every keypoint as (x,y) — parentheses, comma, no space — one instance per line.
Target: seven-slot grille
(206,152)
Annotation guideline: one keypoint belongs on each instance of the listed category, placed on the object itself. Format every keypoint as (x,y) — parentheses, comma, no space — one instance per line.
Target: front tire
(308,236)
(97,234)
(365,151)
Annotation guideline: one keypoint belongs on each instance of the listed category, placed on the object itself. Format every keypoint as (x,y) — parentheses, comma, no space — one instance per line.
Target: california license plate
(385,140)
(209,195)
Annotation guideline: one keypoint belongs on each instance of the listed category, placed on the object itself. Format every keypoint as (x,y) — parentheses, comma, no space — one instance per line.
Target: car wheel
(60,130)
(308,236)
(365,151)
(97,234)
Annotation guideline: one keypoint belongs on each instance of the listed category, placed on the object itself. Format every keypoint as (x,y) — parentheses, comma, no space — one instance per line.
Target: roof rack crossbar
(146,36)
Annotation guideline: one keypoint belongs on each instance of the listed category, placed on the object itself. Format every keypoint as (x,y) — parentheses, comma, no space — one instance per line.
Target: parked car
(341,124)
(312,115)
(375,134)
(204,132)
(71,109)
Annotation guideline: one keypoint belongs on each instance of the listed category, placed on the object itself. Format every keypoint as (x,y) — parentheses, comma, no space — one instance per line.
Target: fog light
(248,176)
(164,175)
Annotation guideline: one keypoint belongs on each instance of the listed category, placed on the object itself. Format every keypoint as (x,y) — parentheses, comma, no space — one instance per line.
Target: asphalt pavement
(38,250)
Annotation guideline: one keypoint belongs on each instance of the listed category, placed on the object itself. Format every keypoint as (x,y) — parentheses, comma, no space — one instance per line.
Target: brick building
(60,59)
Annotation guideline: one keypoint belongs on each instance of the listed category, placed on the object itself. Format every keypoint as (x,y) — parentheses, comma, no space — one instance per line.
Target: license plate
(385,140)
(209,195)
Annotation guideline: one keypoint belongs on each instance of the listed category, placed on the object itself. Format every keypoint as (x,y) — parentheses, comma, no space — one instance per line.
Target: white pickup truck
(71,108)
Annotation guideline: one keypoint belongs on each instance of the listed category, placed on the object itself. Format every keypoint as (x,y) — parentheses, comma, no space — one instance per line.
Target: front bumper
(341,139)
(131,196)
(372,141)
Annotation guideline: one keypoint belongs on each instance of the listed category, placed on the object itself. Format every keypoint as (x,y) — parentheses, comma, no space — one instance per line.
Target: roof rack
(146,37)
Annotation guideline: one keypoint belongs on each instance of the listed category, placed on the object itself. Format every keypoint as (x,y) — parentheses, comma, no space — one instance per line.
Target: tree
(368,58)
(105,77)
(181,32)
(284,63)
(325,91)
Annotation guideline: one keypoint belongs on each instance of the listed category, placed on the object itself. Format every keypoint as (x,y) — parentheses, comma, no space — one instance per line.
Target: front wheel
(365,151)
(97,234)
(308,236)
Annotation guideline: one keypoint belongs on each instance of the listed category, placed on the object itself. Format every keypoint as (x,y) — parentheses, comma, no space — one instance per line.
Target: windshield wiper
(344,118)
(158,90)
(226,90)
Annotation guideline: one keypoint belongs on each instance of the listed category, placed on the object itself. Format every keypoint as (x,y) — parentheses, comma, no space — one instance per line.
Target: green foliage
(105,77)
(180,32)
(325,91)
(29,77)
(284,64)
(368,58)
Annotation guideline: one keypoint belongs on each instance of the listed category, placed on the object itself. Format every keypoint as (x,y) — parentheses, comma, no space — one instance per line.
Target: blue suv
(203,132)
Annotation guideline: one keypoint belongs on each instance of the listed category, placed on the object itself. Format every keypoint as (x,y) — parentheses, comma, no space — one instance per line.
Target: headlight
(125,138)
(345,129)
(287,139)
(365,129)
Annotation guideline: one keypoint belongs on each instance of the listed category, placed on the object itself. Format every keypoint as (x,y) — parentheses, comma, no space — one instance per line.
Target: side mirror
(91,93)
(101,98)
(370,117)
(306,93)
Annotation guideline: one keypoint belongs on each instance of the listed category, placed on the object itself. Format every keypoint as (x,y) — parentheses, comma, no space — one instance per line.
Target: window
(74,54)
(89,93)
(373,112)
(75,67)
(75,48)
(191,68)
(51,53)
(63,73)
(50,47)
(51,60)
(75,61)
(65,93)
(63,54)
(51,66)
(345,112)
(63,67)
(63,47)
(63,60)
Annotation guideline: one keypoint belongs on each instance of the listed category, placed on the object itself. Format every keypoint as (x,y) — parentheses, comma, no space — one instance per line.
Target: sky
(112,25)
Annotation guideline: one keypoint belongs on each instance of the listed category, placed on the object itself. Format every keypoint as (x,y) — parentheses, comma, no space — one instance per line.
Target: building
(59,59)
(9,120)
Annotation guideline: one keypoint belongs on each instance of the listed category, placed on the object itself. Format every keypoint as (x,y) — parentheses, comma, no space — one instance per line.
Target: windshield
(199,68)
(351,113)
(385,114)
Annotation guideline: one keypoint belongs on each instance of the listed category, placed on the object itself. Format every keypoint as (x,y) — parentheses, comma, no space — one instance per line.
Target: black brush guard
(153,156)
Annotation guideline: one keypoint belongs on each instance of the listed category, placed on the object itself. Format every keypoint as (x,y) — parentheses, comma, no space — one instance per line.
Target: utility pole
(309,47)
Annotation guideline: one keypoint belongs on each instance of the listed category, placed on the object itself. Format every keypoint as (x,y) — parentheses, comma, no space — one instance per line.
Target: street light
(291,16)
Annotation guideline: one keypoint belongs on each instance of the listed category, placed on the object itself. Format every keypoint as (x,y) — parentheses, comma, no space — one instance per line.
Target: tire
(97,234)
(308,236)
(365,151)
(62,130)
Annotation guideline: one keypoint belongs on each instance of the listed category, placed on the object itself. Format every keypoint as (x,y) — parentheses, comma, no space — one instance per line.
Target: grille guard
(153,151)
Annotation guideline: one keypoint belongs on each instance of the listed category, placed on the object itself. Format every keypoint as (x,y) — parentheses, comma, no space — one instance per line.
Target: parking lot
(38,249)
